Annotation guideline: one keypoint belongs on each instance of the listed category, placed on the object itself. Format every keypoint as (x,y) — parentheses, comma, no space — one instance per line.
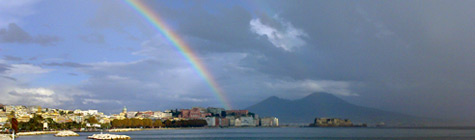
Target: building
(248,121)
(24,118)
(131,114)
(124,112)
(116,117)
(162,115)
(77,111)
(215,111)
(3,119)
(104,120)
(61,119)
(194,113)
(212,121)
(90,112)
(232,120)
(45,126)
(77,119)
(237,113)
(332,122)
(34,109)
(145,114)
(9,108)
(269,122)
(237,122)
(224,122)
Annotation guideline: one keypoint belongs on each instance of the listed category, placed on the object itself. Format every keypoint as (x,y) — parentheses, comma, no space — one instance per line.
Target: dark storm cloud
(14,34)
(413,56)
(409,56)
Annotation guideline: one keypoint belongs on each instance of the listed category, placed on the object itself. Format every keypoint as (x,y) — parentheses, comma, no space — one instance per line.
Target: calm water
(288,133)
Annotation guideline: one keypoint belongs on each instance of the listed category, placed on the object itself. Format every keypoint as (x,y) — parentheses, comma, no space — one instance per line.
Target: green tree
(34,124)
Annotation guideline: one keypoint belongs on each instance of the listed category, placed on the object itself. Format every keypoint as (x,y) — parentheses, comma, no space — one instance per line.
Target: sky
(412,57)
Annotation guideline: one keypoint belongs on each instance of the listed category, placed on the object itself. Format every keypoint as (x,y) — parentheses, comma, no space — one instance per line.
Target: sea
(290,133)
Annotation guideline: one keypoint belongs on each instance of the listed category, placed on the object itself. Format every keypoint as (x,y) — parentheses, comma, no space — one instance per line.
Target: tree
(105,126)
(147,123)
(178,124)
(92,120)
(116,123)
(157,124)
(35,124)
(168,123)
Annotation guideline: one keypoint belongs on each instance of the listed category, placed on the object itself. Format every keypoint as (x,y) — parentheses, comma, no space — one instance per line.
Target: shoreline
(33,133)
(289,133)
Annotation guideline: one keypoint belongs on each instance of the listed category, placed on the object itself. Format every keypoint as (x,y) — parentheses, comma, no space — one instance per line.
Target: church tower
(124,110)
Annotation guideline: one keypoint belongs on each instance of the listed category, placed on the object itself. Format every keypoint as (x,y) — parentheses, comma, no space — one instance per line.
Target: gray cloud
(15,79)
(10,78)
(14,11)
(287,38)
(12,58)
(117,16)
(73,74)
(33,58)
(93,38)
(66,64)
(4,67)
(14,34)
(35,96)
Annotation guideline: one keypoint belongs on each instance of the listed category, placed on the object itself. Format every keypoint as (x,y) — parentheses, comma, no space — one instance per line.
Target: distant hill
(327,105)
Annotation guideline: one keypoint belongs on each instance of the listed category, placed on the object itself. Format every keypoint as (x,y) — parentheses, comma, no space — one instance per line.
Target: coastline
(117,130)
(291,133)
(36,133)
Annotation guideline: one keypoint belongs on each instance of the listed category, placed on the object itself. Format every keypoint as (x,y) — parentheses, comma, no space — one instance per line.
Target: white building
(77,111)
(248,121)
(131,114)
(90,112)
(237,122)
(211,121)
(161,115)
(269,122)
(33,109)
(9,108)
(77,119)
(3,119)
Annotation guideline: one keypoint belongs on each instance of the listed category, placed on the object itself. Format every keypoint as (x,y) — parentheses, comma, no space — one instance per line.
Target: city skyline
(411,57)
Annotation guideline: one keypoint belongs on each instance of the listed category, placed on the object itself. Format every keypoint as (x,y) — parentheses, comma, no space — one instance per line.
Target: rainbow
(181,46)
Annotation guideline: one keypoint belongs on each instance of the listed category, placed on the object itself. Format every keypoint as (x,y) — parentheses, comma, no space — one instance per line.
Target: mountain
(305,110)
